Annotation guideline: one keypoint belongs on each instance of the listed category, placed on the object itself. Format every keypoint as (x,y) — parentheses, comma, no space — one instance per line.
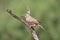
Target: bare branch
(21,20)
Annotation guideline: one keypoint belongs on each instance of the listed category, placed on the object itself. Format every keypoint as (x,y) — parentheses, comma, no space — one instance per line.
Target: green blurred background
(46,11)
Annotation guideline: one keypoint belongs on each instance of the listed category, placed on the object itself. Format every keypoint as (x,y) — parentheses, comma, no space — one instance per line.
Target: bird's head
(27,15)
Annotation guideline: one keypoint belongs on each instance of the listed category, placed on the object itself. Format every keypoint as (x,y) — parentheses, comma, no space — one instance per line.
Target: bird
(32,21)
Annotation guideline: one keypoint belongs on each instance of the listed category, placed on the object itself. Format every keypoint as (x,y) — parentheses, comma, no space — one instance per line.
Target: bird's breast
(29,20)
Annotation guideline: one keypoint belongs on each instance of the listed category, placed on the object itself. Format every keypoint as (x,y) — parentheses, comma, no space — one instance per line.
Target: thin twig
(21,20)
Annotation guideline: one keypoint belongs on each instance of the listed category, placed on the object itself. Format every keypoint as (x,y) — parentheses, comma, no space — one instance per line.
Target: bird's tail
(42,28)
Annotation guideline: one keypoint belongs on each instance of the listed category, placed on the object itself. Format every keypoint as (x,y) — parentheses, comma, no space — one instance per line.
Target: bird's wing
(34,20)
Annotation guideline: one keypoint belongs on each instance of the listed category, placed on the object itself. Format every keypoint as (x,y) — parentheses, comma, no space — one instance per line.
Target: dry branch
(34,35)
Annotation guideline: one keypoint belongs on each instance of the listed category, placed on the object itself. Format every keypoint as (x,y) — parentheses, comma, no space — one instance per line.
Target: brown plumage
(32,21)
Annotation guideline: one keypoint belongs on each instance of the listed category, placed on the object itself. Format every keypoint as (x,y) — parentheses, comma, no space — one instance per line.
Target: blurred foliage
(46,11)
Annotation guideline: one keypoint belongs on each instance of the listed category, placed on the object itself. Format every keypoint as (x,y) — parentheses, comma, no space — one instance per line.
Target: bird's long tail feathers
(42,28)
